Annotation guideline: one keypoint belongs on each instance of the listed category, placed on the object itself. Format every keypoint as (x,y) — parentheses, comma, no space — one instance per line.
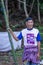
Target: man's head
(29,22)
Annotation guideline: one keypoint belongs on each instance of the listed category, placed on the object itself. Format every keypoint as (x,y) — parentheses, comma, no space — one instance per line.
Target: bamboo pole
(7,26)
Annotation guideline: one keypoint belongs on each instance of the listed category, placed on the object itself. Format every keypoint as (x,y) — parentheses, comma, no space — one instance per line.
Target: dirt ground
(7,59)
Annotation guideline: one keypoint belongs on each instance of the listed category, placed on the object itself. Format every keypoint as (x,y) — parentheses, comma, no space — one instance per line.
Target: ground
(7,59)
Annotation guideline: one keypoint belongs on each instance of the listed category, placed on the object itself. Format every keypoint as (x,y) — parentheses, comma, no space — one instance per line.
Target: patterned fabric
(30,54)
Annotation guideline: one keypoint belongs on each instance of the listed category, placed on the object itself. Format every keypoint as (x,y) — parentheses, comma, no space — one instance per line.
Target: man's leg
(35,64)
(26,63)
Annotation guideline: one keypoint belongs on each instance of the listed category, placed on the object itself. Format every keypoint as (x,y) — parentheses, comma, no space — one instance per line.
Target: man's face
(29,23)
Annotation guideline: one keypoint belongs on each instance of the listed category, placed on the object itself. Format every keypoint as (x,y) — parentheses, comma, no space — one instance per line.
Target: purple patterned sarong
(30,54)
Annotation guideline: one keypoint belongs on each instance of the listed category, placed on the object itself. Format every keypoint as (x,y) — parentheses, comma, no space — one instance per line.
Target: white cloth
(5,43)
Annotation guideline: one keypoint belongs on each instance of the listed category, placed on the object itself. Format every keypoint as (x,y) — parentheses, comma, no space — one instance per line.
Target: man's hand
(9,29)
(38,56)
(14,36)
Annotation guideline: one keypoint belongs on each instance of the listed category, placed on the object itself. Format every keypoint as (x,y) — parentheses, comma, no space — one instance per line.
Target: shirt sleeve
(20,36)
(38,37)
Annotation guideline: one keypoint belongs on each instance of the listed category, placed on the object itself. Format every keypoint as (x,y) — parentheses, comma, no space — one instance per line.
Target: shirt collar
(29,29)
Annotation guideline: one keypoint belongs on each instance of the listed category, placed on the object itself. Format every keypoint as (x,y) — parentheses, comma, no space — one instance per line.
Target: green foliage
(40,28)
(1,9)
(41,7)
(0,24)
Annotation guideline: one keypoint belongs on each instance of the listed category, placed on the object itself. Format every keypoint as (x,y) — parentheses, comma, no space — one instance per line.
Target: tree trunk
(31,7)
(25,8)
(19,4)
(38,11)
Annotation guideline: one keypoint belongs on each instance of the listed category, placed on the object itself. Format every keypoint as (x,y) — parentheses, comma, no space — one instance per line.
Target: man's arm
(14,36)
(38,42)
(38,47)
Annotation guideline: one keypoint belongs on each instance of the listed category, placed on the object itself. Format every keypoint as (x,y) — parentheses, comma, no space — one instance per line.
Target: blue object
(38,37)
(20,36)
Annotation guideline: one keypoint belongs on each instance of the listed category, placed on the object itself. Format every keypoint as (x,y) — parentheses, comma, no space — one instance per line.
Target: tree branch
(31,7)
